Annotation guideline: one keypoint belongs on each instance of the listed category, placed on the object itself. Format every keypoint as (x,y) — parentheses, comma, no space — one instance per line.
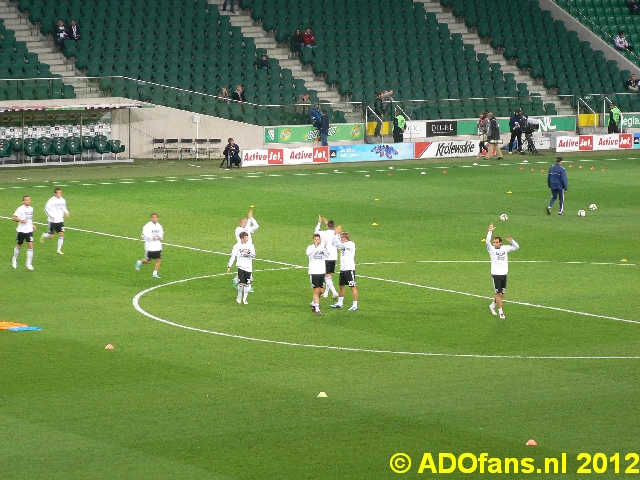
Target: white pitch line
(136,304)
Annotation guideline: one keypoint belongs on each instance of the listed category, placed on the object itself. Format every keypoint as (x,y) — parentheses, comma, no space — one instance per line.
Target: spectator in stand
(263,63)
(633,7)
(60,34)
(224,95)
(621,42)
(303,101)
(238,95)
(324,128)
(74,33)
(632,84)
(378,109)
(309,39)
(297,41)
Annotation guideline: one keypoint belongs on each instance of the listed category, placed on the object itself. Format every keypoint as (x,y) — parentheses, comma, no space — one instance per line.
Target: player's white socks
(240,290)
(60,242)
(340,300)
(493,305)
(29,256)
(500,311)
(330,286)
(16,251)
(247,288)
(355,303)
(45,235)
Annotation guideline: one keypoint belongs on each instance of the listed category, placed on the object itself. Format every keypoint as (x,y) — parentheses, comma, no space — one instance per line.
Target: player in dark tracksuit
(557,182)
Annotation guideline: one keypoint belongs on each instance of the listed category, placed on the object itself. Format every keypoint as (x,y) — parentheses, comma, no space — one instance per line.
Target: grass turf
(177,403)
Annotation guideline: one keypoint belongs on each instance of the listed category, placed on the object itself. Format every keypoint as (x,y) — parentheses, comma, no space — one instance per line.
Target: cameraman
(231,154)
(516,130)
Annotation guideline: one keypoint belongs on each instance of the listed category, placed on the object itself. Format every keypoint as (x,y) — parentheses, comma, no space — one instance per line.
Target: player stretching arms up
(499,267)
(317,254)
(243,252)
(326,236)
(56,210)
(347,267)
(248,225)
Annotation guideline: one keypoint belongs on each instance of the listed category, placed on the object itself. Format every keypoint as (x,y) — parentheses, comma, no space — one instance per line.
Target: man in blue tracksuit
(557,182)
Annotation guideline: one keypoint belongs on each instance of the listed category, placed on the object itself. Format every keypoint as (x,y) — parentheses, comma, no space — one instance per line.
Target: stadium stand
(536,42)
(24,77)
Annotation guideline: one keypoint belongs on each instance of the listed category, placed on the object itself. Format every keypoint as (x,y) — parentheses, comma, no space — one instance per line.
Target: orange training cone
(109,347)
(532,443)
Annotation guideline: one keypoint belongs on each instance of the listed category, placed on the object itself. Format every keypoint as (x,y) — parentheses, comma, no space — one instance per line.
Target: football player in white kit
(499,267)
(347,248)
(152,233)
(56,210)
(326,236)
(24,216)
(248,225)
(243,253)
(317,254)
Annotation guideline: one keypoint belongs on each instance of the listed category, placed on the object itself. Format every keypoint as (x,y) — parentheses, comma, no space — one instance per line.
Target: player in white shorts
(499,267)
(243,253)
(326,236)
(24,216)
(152,234)
(347,248)
(248,225)
(56,210)
(317,254)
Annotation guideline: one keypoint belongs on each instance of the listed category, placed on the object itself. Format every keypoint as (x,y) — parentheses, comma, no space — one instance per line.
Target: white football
(593,206)
(504,217)
(581,213)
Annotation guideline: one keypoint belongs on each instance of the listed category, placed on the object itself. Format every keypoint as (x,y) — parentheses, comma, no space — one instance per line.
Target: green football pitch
(199,386)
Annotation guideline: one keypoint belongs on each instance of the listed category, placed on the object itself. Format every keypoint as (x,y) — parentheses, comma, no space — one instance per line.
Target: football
(581,213)
(593,206)
(504,217)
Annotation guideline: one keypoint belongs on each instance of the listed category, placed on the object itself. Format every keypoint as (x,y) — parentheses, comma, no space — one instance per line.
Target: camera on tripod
(529,125)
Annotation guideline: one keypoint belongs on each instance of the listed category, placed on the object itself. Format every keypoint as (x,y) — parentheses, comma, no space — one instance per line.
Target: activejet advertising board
(454,148)
(587,143)
(285,156)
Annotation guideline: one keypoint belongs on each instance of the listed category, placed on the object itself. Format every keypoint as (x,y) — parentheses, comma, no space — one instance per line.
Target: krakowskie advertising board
(454,148)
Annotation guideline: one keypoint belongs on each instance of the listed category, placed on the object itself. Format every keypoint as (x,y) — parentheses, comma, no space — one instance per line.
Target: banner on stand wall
(308,133)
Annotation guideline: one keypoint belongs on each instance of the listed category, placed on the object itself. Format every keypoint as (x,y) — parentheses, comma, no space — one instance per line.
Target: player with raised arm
(248,225)
(317,254)
(56,210)
(326,236)
(152,234)
(499,267)
(24,216)
(347,248)
(243,253)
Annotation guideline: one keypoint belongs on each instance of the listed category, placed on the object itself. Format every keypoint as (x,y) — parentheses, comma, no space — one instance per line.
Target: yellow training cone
(509,191)
(322,395)
(374,224)
(623,260)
